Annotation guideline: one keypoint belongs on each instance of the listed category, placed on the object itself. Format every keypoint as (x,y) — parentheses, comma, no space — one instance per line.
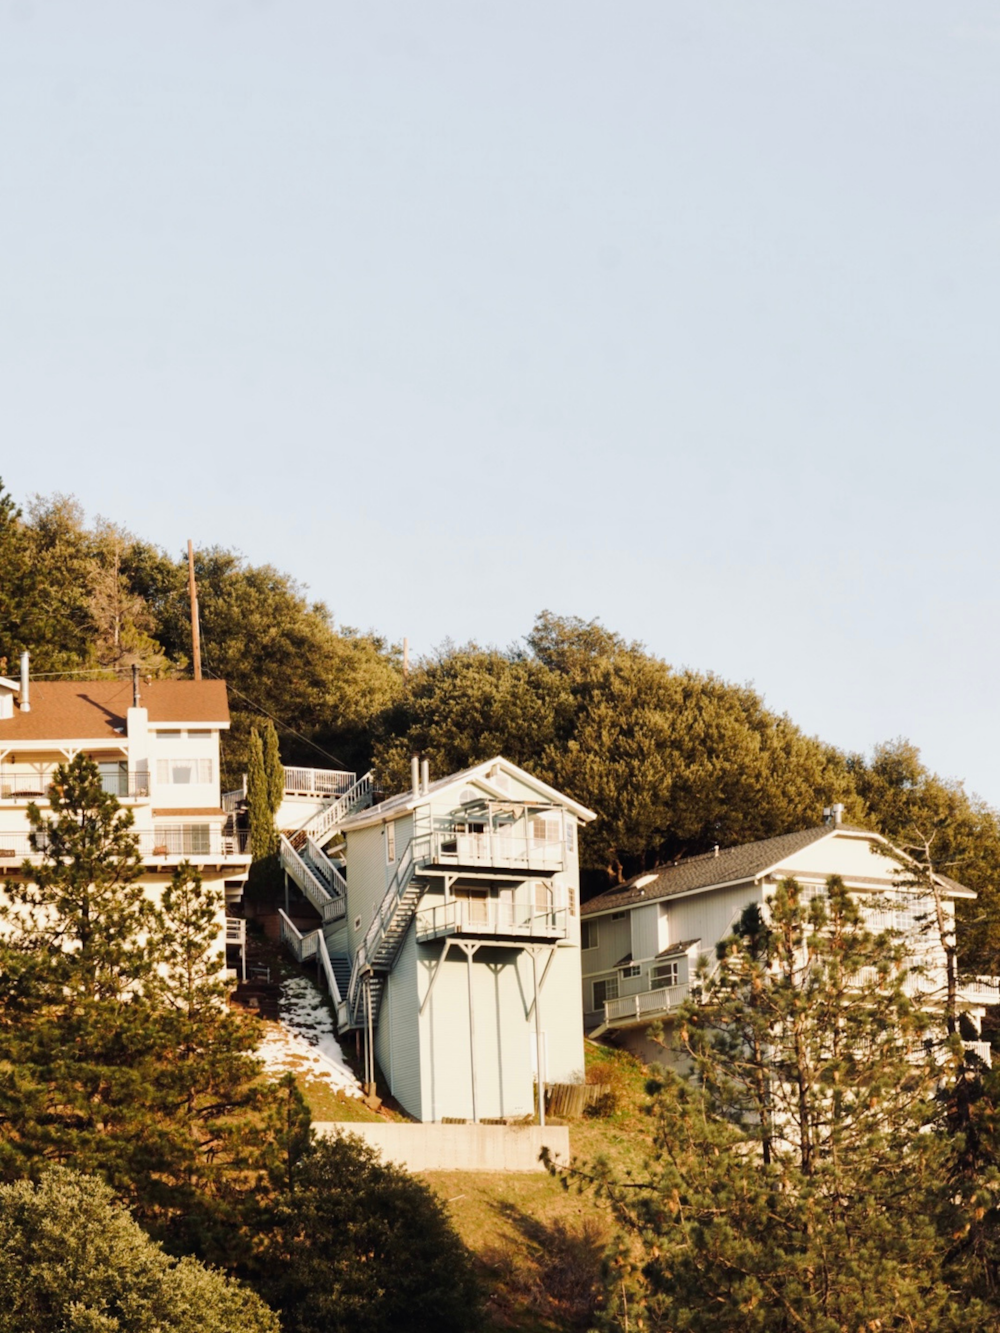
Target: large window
(663,974)
(605,990)
(588,934)
(183,770)
(184,839)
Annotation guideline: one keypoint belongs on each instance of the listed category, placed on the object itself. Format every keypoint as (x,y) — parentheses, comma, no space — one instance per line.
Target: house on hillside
(641,943)
(156,744)
(450,935)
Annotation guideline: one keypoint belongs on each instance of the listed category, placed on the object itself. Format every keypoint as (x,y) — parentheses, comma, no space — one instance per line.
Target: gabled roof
(477,776)
(733,865)
(90,710)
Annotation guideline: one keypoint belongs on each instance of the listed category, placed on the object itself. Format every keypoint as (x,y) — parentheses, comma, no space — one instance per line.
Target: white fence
(520,852)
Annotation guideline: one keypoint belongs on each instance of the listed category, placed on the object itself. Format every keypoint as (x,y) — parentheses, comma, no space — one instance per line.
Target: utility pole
(193,596)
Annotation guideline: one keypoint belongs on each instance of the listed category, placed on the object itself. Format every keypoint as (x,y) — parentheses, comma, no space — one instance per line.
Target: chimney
(135,685)
(834,814)
(425,775)
(415,774)
(25,701)
(715,850)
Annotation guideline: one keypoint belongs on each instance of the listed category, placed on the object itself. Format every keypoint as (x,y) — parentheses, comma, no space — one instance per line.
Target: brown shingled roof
(96,709)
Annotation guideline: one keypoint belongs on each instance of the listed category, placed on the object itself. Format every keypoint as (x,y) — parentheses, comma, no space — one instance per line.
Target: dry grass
(540,1245)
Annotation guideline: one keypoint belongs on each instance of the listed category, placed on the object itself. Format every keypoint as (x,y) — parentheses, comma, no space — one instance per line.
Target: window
(184,839)
(618,916)
(544,828)
(170,735)
(183,770)
(588,934)
(357,923)
(633,970)
(570,833)
(198,735)
(605,990)
(543,896)
(663,974)
(390,843)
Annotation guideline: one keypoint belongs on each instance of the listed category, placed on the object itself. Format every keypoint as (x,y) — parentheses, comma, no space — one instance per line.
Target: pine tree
(263,837)
(77,1032)
(273,769)
(803,1179)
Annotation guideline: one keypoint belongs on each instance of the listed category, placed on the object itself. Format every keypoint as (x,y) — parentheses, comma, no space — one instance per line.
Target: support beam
(470,951)
(539,1062)
(434,974)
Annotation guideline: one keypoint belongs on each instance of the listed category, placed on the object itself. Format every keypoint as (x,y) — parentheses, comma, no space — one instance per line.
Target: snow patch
(303,1041)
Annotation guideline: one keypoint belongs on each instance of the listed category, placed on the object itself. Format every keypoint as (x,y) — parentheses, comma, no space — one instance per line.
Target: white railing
(231,800)
(644,1004)
(327,871)
(381,921)
(492,848)
(981,1048)
(318,781)
(178,842)
(301,946)
(330,908)
(16,785)
(236,930)
(329,816)
(331,980)
(491,916)
(981,990)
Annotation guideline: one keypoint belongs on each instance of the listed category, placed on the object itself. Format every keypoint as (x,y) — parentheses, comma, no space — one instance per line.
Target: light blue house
(451,936)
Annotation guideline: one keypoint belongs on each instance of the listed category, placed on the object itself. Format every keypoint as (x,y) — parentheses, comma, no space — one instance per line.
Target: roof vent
(834,814)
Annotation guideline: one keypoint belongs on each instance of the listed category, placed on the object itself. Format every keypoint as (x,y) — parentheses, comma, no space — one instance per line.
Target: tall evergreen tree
(263,836)
(804,1181)
(273,768)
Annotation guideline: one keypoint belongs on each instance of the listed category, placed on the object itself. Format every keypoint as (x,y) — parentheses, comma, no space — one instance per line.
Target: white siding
(645,925)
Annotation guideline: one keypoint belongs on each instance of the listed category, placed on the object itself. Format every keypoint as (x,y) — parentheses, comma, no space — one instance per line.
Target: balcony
(491,918)
(35,786)
(194,842)
(493,849)
(645,1007)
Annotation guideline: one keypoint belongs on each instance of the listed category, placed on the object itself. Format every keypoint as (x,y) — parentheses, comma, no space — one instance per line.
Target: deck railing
(491,916)
(318,781)
(35,786)
(493,849)
(179,842)
(330,906)
(644,1005)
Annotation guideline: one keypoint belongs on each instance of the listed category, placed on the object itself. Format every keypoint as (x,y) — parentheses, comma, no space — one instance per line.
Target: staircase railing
(355,798)
(330,907)
(301,946)
(380,923)
(327,871)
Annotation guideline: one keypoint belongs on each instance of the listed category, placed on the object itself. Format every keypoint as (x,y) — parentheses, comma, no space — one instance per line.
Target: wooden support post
(538,1040)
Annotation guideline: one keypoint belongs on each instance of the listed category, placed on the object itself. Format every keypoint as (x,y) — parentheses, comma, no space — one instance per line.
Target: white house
(452,944)
(642,941)
(156,744)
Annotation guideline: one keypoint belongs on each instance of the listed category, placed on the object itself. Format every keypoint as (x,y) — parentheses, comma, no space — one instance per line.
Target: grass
(540,1245)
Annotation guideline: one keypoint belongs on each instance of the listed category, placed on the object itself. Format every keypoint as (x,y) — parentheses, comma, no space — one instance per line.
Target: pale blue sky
(681,314)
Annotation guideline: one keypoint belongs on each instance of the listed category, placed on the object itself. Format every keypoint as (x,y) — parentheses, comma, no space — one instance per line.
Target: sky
(681,314)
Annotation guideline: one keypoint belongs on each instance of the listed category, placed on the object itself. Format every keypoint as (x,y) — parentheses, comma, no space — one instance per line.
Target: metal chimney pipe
(425,776)
(415,774)
(135,685)
(25,701)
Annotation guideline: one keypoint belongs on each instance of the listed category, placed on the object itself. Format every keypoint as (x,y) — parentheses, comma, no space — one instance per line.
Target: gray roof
(730,865)
(682,946)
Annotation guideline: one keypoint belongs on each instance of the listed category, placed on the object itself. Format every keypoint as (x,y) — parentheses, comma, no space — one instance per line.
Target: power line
(276,720)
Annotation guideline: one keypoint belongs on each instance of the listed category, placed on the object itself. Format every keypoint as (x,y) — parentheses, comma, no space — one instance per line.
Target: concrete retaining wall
(435,1147)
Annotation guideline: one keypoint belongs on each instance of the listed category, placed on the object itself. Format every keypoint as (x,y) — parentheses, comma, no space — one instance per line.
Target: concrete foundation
(436,1147)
